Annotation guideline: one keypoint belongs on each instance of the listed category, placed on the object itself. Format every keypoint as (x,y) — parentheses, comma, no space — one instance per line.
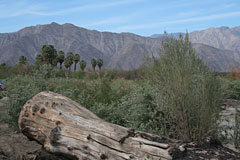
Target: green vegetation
(190,95)
(94,63)
(38,60)
(83,65)
(174,95)
(99,63)
(22,60)
(61,58)
(69,60)
(49,54)
(76,60)
(232,88)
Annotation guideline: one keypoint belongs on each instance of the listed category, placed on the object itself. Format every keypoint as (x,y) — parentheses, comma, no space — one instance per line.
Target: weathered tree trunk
(64,127)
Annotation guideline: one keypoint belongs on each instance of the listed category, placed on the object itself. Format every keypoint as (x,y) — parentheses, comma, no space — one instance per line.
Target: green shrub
(91,75)
(88,93)
(189,95)
(79,74)
(232,88)
(139,110)
(107,97)
(18,69)
(19,90)
(21,69)
(47,71)
(4,71)
(78,90)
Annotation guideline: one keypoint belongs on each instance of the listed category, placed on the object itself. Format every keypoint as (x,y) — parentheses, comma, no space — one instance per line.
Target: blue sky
(143,17)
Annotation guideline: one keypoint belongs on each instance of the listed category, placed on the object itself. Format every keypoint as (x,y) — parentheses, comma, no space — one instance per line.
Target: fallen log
(65,128)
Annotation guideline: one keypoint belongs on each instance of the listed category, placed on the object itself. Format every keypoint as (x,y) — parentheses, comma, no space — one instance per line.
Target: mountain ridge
(219,37)
(118,50)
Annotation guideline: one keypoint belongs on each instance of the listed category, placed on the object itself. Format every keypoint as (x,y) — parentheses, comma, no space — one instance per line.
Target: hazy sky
(143,17)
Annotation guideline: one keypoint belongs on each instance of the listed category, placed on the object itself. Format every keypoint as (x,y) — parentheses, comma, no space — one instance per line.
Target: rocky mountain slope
(222,38)
(120,51)
(113,48)
(217,59)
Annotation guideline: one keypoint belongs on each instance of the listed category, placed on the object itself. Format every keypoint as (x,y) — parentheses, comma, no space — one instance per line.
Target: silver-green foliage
(139,110)
(46,71)
(22,89)
(87,93)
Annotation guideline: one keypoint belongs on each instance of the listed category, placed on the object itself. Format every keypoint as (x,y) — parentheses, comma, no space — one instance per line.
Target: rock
(227,121)
(14,145)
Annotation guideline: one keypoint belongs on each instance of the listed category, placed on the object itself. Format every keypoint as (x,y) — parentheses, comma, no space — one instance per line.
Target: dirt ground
(13,145)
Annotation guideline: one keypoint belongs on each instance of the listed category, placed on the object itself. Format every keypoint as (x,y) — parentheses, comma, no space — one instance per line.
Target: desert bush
(108,92)
(190,95)
(48,71)
(139,110)
(22,69)
(4,71)
(88,93)
(18,69)
(135,74)
(80,91)
(19,90)
(79,74)
(231,88)
(106,97)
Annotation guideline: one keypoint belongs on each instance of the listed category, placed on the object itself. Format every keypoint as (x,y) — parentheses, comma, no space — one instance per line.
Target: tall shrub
(189,96)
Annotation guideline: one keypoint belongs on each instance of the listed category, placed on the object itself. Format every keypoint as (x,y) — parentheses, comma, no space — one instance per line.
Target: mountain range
(219,48)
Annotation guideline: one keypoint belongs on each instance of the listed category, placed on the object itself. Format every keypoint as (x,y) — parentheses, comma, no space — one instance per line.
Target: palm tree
(55,62)
(49,53)
(83,65)
(67,63)
(94,63)
(76,60)
(61,58)
(22,60)
(38,60)
(99,63)
(70,59)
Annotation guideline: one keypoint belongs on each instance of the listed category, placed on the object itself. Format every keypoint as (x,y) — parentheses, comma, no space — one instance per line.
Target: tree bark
(64,127)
